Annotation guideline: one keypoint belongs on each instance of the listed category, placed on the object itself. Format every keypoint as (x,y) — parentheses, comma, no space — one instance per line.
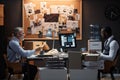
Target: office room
(46,24)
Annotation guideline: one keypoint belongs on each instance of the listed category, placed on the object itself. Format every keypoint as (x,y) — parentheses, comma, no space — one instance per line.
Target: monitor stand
(63,52)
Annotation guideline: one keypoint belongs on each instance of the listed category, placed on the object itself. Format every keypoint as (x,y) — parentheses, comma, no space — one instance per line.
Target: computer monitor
(67,40)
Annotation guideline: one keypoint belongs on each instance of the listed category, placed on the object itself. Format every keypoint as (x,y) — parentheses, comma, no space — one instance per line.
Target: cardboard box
(91,57)
(94,45)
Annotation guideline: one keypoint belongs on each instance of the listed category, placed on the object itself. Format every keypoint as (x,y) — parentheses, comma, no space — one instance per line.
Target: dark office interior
(93,12)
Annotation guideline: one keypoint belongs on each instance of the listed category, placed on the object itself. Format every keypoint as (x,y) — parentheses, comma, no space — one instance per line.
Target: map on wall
(43,15)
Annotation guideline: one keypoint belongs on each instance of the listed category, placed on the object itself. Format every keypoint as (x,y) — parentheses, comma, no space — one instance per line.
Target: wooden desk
(75,74)
(50,63)
(43,61)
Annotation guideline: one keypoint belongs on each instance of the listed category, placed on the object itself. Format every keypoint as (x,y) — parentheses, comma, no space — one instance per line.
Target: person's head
(106,32)
(19,33)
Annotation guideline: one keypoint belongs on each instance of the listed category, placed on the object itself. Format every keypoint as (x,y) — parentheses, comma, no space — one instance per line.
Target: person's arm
(112,52)
(25,53)
(40,48)
(37,50)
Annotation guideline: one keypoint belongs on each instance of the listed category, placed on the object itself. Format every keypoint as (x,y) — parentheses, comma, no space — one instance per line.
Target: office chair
(109,67)
(13,68)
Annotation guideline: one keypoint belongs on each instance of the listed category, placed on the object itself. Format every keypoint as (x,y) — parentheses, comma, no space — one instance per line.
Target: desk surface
(60,55)
(89,64)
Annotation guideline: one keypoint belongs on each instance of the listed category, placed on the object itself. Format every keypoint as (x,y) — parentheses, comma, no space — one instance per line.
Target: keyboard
(44,56)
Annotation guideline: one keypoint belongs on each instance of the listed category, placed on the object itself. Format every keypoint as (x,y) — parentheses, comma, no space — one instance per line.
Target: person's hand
(43,44)
(99,52)
(37,50)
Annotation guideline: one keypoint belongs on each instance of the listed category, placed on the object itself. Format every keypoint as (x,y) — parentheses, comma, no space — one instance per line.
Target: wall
(93,13)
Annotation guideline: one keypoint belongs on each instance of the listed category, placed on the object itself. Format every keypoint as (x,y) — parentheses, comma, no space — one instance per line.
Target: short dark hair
(107,29)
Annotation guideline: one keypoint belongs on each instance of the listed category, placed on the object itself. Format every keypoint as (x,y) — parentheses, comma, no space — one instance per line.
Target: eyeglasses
(21,33)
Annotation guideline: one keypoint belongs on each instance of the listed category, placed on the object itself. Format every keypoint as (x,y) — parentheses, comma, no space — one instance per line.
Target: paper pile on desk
(53,52)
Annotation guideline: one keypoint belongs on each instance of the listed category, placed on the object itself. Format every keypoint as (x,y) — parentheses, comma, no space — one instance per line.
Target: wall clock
(112,12)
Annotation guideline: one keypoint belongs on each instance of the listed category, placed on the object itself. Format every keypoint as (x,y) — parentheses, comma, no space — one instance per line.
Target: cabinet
(1,14)
(83,74)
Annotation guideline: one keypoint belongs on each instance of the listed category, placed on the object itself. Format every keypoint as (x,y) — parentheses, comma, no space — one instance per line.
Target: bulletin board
(48,18)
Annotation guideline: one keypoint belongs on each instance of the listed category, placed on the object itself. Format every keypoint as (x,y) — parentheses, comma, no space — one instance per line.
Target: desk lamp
(45,47)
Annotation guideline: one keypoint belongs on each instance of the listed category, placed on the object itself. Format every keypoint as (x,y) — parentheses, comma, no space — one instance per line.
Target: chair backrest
(14,68)
(111,64)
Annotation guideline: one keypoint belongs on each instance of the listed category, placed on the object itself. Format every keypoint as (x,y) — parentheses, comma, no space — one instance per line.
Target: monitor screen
(67,40)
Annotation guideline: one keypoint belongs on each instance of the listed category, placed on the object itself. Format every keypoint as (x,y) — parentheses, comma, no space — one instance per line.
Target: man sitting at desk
(111,46)
(15,52)
(110,52)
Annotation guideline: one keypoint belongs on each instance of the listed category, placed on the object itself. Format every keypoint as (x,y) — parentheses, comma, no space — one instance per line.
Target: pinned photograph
(72,24)
(29,8)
